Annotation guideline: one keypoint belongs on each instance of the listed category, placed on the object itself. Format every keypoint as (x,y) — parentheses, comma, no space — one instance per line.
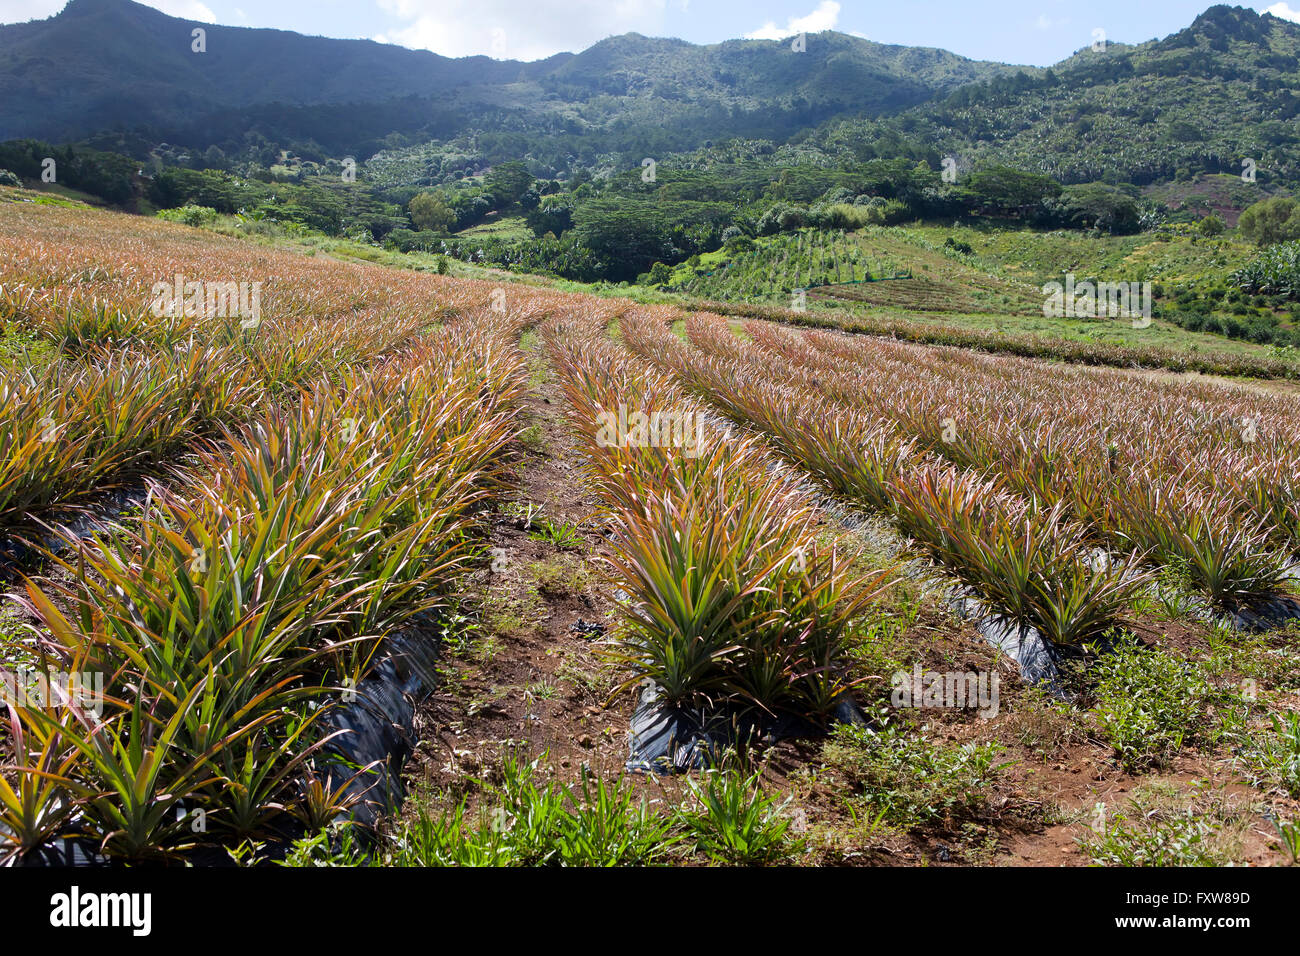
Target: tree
(1211,226)
(507,182)
(1007,190)
(1095,206)
(430,211)
(470,209)
(186,187)
(214,158)
(554,218)
(1271,221)
(624,238)
(782,217)
(660,274)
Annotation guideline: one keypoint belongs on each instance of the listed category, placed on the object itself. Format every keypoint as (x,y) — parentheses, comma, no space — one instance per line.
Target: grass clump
(557,577)
(537,823)
(1150,705)
(1272,758)
(562,534)
(900,772)
(736,822)
(1043,724)
(1164,826)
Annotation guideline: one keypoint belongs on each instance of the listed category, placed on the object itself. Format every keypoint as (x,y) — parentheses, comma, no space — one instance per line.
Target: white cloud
(18,11)
(185,9)
(1284,12)
(823,18)
(510,30)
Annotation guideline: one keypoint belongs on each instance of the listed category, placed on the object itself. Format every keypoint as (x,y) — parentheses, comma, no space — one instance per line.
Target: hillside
(106,64)
(1200,100)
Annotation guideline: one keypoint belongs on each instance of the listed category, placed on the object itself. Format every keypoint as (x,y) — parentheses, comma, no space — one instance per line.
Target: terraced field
(885,268)
(917,294)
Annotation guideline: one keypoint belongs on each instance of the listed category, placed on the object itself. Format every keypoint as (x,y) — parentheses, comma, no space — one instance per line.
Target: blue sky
(1037,32)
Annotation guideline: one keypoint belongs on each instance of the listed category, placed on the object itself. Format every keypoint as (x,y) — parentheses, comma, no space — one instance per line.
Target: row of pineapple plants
(83,278)
(1203,477)
(1267,364)
(231,617)
(731,597)
(129,390)
(78,426)
(1027,562)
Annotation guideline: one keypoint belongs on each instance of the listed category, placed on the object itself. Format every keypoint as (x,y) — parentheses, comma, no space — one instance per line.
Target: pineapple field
(311,562)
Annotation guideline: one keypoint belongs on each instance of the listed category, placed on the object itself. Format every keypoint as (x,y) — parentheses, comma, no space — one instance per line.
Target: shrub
(1271,220)
(660,274)
(190,215)
(1211,226)
(1275,271)
(1272,757)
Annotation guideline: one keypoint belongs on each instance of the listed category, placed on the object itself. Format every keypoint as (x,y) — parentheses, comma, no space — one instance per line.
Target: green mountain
(116,65)
(122,77)
(1223,90)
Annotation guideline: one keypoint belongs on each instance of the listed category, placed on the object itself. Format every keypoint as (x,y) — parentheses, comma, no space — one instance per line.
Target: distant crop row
(79,426)
(1205,477)
(1025,345)
(1029,563)
(1044,492)
(773,268)
(130,388)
